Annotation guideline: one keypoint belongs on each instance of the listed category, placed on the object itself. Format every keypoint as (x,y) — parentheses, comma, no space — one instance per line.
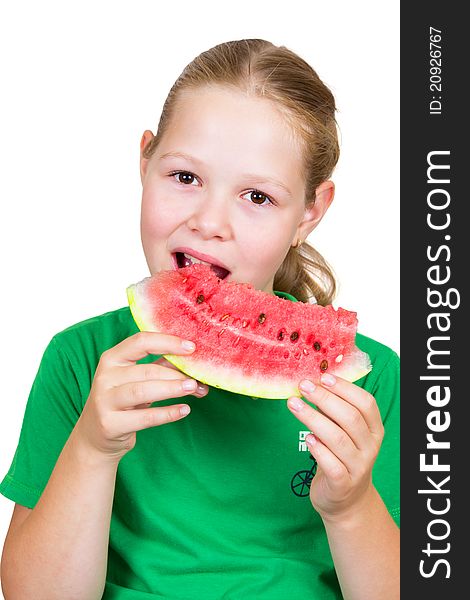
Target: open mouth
(185,260)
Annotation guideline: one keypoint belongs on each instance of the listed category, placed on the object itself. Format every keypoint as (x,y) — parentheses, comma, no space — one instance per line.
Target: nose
(211,216)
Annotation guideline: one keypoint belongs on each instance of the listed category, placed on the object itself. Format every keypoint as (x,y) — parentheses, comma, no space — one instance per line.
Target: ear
(147,137)
(316,209)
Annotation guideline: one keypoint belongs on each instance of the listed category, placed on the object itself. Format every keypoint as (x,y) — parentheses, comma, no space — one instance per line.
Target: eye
(184,177)
(258,198)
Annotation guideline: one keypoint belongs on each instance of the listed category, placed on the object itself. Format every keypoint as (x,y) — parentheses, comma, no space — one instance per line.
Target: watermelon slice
(247,341)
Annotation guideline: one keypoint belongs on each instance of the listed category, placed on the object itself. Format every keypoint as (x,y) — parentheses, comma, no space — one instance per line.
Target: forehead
(230,129)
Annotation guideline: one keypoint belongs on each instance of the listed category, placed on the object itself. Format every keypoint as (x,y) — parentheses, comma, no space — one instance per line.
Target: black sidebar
(435,268)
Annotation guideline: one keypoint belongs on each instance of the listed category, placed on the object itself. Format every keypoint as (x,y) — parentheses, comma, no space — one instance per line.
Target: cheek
(266,235)
(262,251)
(157,216)
(267,249)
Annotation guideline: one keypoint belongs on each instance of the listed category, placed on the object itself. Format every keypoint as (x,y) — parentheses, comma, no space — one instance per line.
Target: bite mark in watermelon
(247,341)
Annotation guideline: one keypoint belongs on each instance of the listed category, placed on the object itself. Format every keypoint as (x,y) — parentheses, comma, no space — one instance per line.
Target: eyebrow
(251,176)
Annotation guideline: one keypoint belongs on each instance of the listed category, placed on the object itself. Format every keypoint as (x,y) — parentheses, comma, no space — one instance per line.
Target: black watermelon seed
(324,365)
(294,335)
(317,346)
(280,335)
(200,299)
(262,318)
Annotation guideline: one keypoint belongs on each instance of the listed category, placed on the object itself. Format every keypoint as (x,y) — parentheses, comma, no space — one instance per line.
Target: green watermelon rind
(235,381)
(142,319)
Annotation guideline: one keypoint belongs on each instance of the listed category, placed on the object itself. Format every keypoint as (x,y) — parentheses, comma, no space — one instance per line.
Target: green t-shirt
(208,507)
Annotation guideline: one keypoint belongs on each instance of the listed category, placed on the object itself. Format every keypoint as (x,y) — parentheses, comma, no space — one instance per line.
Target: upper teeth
(195,260)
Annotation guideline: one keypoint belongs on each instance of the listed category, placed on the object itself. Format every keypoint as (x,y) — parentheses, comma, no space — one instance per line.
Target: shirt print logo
(301,481)
(302,443)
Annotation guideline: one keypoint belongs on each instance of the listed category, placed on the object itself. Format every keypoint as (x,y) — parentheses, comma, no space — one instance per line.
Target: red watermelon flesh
(247,341)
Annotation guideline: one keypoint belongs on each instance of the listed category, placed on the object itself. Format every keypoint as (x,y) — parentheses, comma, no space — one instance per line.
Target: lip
(205,257)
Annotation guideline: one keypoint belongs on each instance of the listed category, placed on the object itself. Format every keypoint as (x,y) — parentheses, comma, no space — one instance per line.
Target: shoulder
(384,378)
(379,353)
(96,334)
(115,320)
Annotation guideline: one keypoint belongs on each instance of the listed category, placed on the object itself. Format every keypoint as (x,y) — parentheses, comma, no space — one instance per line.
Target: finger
(162,361)
(143,372)
(331,435)
(199,393)
(359,398)
(344,414)
(142,344)
(130,395)
(202,388)
(149,372)
(136,420)
(333,469)
(116,376)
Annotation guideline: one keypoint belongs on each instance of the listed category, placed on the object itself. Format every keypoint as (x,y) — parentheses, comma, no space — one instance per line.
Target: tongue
(219,271)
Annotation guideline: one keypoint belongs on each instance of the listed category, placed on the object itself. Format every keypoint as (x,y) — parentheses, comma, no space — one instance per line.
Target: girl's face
(225,184)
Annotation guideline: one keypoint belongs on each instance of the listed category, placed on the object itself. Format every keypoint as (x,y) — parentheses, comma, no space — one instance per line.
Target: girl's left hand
(347,433)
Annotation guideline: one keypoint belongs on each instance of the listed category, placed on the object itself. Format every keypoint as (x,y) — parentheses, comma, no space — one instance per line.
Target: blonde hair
(260,68)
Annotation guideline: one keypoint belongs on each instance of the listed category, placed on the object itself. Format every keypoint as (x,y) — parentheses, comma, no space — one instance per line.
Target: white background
(80,83)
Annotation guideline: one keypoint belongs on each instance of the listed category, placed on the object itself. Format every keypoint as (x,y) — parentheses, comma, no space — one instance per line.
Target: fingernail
(187,345)
(184,410)
(189,385)
(202,389)
(311,439)
(328,379)
(295,403)
(307,385)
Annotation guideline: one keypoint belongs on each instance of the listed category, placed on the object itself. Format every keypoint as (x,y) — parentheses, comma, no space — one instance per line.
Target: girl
(205,501)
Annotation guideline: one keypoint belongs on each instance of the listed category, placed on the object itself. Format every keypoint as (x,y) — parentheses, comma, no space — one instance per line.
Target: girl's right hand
(122,392)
